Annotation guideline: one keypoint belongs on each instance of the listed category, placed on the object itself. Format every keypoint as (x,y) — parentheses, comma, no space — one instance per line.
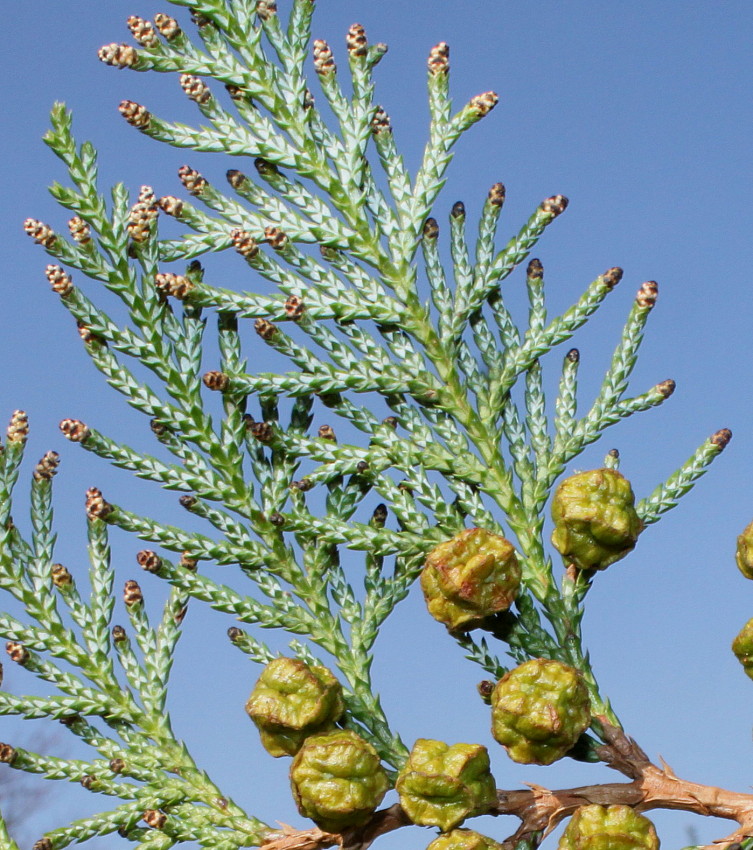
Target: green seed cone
(539,711)
(464,839)
(744,552)
(608,828)
(291,701)
(742,646)
(337,780)
(595,522)
(470,577)
(441,785)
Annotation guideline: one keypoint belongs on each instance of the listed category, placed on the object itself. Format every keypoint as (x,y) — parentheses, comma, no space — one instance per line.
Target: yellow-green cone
(470,577)
(742,646)
(595,522)
(539,711)
(337,780)
(291,701)
(441,785)
(464,839)
(608,828)
(744,552)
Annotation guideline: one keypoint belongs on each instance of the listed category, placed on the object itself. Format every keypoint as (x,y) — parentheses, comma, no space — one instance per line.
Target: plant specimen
(407,440)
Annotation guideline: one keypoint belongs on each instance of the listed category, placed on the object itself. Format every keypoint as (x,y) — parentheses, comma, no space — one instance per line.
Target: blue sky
(641,114)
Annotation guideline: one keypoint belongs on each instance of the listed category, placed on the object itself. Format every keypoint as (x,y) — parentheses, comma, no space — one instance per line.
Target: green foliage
(469,440)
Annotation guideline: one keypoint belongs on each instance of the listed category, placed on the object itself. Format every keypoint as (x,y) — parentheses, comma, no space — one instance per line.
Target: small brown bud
(85,332)
(721,438)
(554,206)
(277,519)
(236,178)
(303,486)
(143,31)
(7,754)
(324,62)
(261,431)
(244,243)
(135,114)
(61,577)
(171,205)
(666,388)
(70,720)
(119,634)
(40,232)
(59,280)
(17,652)
(294,307)
(439,59)
(612,277)
(482,104)
(573,355)
(199,20)
(132,594)
(179,616)
(485,689)
(142,215)
(266,9)
(326,432)
(458,210)
(329,253)
(177,285)
(188,561)
(18,427)
(379,517)
(195,88)
(535,270)
(647,294)
(265,329)
(149,561)
(277,238)
(96,506)
(42,844)
(74,430)
(167,26)
(47,467)
(80,231)
(88,781)
(119,55)
(187,501)
(431,228)
(191,179)
(497,194)
(117,765)
(390,421)
(216,381)
(355,40)
(361,467)
(380,123)
(265,167)
(155,818)
(234,633)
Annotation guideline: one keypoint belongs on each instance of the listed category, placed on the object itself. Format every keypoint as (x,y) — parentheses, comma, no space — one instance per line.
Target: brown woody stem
(652,788)
(540,810)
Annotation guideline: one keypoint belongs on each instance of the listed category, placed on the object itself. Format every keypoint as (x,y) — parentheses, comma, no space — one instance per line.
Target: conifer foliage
(407,440)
